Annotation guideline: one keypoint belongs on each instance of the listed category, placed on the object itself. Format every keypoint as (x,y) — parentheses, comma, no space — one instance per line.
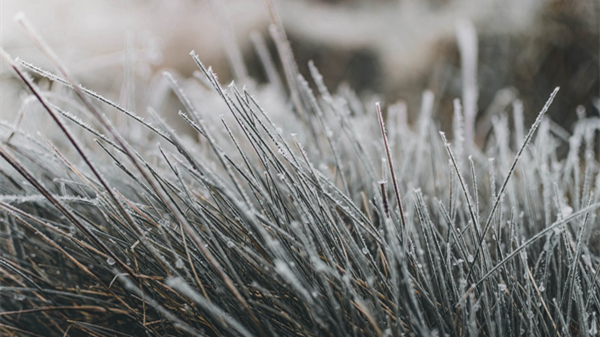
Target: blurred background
(389,50)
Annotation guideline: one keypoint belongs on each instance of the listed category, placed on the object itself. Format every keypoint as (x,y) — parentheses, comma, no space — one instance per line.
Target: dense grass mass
(323,217)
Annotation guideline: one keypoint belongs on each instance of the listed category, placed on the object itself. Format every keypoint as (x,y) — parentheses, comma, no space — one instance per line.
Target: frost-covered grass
(313,219)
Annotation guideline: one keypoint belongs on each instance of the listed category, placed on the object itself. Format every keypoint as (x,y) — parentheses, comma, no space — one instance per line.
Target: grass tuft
(274,222)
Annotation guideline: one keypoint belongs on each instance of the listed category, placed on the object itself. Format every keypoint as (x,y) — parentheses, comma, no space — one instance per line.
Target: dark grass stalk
(391,164)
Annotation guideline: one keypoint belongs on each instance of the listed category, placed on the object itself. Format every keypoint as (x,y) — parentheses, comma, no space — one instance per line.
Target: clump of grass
(337,225)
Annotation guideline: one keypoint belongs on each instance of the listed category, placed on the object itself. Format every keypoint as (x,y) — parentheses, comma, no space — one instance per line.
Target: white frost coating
(36,198)
(288,275)
(180,285)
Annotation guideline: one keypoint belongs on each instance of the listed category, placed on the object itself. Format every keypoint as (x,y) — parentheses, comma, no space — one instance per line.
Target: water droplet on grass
(566,210)
(110,261)
(179,264)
